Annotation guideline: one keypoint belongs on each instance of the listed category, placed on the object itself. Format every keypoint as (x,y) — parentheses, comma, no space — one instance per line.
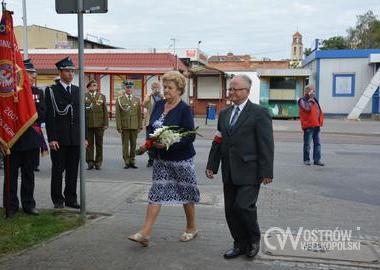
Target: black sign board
(89,6)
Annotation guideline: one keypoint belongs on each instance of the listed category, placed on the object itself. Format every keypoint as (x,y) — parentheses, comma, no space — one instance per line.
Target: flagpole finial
(4,5)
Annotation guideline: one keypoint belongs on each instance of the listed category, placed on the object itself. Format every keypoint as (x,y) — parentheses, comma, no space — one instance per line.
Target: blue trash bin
(211,112)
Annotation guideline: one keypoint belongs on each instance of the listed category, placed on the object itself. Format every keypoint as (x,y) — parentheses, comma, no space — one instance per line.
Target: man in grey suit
(244,145)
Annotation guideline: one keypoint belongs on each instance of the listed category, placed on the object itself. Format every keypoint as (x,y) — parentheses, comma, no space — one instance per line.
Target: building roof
(206,70)
(88,41)
(249,65)
(229,58)
(149,63)
(297,34)
(336,54)
(299,72)
(69,35)
(40,26)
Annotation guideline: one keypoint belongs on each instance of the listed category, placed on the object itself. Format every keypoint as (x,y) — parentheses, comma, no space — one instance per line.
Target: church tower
(297,47)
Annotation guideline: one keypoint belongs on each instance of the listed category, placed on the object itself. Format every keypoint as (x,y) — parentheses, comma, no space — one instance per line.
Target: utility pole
(174,52)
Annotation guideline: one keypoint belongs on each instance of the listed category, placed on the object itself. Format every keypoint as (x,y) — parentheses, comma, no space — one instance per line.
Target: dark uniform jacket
(30,139)
(246,150)
(62,128)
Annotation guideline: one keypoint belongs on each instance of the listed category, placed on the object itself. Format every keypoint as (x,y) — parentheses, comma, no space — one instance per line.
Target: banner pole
(7,186)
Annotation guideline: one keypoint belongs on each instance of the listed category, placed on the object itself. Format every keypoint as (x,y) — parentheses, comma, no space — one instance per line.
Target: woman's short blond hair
(176,77)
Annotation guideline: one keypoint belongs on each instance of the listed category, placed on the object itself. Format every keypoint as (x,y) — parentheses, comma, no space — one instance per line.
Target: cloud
(243,26)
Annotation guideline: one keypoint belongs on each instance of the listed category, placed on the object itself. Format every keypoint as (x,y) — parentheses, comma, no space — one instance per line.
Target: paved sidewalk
(103,244)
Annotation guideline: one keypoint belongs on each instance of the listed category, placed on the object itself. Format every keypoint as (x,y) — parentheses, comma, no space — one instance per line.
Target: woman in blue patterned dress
(174,180)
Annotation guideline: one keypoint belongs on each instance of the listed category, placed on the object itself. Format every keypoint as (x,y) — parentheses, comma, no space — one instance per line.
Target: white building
(341,76)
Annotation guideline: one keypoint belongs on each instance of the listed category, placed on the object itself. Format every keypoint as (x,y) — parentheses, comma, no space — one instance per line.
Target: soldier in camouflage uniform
(128,123)
(96,124)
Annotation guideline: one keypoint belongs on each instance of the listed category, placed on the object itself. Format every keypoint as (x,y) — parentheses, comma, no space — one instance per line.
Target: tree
(335,43)
(307,52)
(366,33)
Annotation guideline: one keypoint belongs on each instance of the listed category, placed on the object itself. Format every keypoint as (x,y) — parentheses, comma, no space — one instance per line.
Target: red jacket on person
(313,117)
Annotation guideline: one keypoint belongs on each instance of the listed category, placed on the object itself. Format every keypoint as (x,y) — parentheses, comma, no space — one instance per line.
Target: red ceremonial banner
(17,108)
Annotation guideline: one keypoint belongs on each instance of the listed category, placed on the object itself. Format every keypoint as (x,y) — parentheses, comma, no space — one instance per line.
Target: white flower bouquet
(166,135)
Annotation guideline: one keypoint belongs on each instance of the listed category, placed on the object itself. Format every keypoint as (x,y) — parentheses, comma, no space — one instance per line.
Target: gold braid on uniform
(122,107)
(97,101)
(55,106)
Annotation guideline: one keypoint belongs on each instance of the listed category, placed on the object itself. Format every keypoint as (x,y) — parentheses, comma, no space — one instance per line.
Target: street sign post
(80,7)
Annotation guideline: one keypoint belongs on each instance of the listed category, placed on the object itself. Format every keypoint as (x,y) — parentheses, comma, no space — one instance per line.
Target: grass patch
(22,230)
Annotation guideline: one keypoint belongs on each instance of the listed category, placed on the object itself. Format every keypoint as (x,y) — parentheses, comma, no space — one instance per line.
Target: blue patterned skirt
(174,182)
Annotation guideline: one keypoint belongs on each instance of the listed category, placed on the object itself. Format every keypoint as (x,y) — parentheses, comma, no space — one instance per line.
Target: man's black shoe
(252,250)
(233,253)
(36,169)
(73,205)
(58,205)
(90,167)
(150,163)
(32,211)
(319,163)
(126,166)
(133,166)
(97,168)
(12,213)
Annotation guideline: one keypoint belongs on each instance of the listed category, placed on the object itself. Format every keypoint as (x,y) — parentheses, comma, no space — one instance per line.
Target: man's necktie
(234,117)
(68,89)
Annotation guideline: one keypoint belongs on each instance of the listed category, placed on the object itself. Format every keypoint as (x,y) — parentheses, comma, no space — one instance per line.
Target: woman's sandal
(188,236)
(139,238)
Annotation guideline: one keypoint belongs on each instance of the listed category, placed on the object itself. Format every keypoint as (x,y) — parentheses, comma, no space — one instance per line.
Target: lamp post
(174,52)
(25,30)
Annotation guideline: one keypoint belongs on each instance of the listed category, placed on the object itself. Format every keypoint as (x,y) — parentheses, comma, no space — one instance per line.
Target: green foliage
(366,33)
(22,231)
(307,52)
(335,43)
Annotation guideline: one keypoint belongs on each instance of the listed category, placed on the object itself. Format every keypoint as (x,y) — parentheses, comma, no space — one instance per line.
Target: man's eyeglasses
(235,89)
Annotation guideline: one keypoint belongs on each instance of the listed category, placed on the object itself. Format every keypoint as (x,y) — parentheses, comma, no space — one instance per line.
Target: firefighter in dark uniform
(96,123)
(23,156)
(62,127)
(38,97)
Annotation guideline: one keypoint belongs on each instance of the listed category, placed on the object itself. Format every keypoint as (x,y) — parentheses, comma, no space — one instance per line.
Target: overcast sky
(262,28)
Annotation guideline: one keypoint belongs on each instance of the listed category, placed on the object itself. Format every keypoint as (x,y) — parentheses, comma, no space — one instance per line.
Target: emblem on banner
(6,77)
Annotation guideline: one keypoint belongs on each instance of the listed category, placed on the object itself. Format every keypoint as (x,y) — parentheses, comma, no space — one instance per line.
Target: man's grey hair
(245,79)
(156,84)
(308,87)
